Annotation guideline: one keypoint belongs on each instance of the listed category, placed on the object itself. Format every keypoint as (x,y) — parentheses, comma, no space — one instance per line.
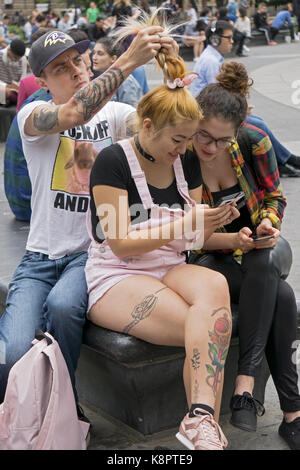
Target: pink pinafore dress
(104,269)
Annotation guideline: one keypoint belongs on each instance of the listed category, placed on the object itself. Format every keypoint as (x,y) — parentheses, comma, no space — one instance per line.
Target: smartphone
(229,199)
(256,238)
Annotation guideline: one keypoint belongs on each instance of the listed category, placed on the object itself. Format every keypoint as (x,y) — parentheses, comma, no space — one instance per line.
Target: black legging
(267,320)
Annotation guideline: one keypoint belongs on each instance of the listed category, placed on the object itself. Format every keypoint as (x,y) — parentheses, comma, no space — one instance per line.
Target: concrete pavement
(275,70)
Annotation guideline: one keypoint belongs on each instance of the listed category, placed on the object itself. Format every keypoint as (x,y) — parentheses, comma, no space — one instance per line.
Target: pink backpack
(39,410)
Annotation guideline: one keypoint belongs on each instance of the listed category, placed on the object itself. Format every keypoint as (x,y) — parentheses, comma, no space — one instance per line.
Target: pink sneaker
(201,433)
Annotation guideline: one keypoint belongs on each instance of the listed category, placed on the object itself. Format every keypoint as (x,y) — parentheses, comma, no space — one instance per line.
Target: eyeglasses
(226,37)
(206,139)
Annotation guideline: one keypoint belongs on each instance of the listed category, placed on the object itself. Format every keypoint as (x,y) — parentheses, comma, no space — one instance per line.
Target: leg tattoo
(143,310)
(218,348)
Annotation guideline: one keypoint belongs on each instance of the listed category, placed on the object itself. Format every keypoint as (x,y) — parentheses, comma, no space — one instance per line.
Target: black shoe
(290,432)
(241,54)
(294,160)
(245,410)
(288,171)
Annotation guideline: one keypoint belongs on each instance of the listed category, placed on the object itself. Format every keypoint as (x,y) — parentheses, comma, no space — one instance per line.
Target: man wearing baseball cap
(60,140)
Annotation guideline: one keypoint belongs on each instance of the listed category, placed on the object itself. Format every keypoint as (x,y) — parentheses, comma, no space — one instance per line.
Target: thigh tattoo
(143,310)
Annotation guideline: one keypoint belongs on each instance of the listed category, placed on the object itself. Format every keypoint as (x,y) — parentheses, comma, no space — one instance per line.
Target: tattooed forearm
(142,310)
(195,359)
(45,119)
(90,99)
(218,348)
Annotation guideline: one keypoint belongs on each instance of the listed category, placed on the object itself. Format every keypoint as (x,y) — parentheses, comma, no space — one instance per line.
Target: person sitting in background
(141,266)
(105,53)
(238,37)
(121,10)
(139,73)
(207,68)
(75,102)
(4,33)
(40,22)
(283,19)
(262,22)
(13,67)
(92,12)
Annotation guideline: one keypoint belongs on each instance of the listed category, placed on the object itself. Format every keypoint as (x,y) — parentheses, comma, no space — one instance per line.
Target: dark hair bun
(233,77)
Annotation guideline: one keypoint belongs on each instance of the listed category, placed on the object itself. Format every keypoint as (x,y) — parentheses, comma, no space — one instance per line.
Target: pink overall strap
(137,174)
(181,181)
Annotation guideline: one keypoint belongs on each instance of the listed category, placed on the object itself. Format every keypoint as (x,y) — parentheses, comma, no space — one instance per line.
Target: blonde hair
(163,105)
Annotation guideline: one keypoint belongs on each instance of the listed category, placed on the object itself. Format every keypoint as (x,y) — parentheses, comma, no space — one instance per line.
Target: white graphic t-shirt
(59,167)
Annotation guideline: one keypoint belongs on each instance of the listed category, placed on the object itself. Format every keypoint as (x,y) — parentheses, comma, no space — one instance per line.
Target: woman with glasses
(250,252)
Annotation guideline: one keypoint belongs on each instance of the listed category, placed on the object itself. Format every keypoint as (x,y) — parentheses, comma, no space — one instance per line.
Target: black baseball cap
(49,46)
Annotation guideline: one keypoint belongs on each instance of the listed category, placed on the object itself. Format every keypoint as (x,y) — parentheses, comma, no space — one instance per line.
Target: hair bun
(233,76)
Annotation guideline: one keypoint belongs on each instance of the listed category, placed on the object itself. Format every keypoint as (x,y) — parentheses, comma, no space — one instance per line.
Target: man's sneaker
(272,43)
(201,432)
(290,432)
(294,160)
(245,410)
(288,171)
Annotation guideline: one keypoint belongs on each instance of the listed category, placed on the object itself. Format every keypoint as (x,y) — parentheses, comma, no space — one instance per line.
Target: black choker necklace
(141,150)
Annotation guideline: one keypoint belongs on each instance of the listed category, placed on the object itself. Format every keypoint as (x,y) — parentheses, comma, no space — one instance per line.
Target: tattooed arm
(49,119)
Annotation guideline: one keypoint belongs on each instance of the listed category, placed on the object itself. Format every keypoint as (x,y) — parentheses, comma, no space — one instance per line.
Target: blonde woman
(145,212)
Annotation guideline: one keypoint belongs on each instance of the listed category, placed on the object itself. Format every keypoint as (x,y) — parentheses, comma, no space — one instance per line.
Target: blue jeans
(50,295)
(281,152)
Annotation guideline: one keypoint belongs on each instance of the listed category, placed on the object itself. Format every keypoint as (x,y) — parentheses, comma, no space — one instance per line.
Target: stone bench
(7,113)
(134,382)
(258,37)
(141,384)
